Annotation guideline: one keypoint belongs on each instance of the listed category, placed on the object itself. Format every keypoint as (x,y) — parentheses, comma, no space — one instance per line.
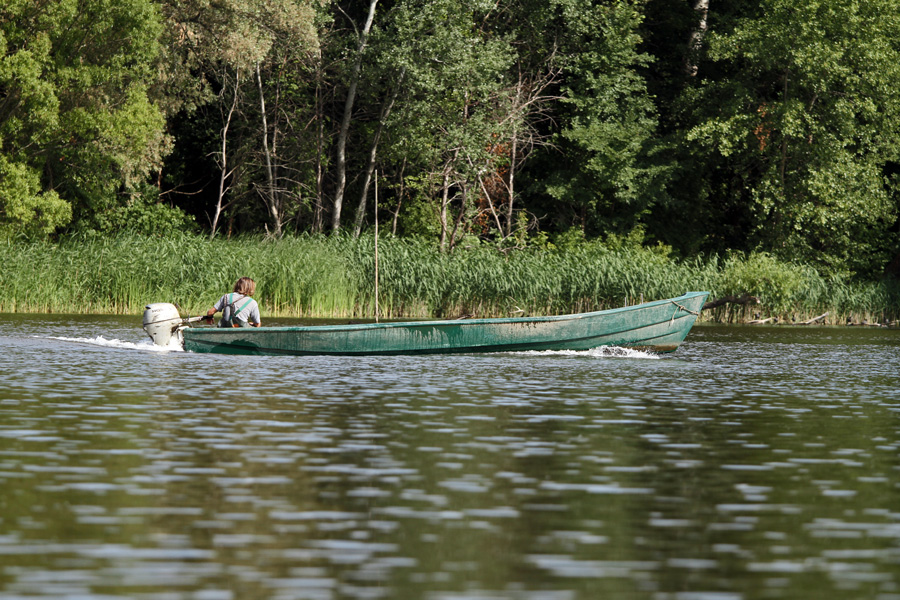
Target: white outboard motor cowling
(163,323)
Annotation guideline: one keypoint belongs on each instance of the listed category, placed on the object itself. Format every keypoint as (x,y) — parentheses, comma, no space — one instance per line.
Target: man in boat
(238,308)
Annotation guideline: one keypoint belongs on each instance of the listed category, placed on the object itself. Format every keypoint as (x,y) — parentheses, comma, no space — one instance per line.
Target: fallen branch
(815,320)
(761,321)
(742,299)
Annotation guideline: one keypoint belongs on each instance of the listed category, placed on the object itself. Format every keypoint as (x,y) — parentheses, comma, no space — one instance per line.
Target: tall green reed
(319,276)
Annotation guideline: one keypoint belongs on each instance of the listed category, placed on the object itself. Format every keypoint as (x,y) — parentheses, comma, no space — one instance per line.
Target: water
(753,463)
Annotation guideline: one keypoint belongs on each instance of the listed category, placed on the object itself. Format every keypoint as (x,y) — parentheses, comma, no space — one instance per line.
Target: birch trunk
(319,213)
(512,178)
(341,157)
(400,195)
(270,196)
(695,43)
(445,200)
(223,162)
(514,148)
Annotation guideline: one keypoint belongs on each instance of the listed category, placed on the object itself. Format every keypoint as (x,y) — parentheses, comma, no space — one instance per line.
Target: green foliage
(225,61)
(142,213)
(317,276)
(807,115)
(24,207)
(120,274)
(569,239)
(417,219)
(76,120)
(607,114)
(775,283)
(453,110)
(576,129)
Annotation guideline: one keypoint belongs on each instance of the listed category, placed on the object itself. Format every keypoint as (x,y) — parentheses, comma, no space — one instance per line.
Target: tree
(532,103)
(78,128)
(450,114)
(598,173)
(383,117)
(806,111)
(245,49)
(341,162)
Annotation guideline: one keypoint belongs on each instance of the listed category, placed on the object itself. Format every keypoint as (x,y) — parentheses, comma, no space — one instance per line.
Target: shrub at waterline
(317,276)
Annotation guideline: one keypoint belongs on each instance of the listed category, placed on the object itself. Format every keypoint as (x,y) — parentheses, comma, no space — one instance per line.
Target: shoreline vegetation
(333,277)
(591,154)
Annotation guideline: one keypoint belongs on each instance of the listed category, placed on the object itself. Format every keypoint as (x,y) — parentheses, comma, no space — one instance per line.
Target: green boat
(658,326)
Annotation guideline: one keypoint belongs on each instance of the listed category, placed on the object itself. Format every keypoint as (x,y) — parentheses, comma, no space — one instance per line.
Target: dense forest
(703,127)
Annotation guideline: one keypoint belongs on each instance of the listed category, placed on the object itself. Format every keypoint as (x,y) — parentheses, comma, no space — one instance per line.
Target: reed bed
(318,276)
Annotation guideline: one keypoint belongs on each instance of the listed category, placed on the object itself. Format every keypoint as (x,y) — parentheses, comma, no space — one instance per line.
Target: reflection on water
(753,463)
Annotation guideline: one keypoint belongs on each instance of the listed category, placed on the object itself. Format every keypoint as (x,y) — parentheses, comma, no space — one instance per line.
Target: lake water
(754,463)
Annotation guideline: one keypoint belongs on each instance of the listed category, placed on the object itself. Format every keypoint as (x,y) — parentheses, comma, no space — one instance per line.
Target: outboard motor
(163,323)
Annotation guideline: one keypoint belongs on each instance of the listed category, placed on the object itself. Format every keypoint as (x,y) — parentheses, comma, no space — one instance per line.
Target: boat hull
(659,326)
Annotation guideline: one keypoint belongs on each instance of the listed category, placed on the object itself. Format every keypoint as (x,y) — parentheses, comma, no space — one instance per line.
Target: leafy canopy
(77,124)
(809,115)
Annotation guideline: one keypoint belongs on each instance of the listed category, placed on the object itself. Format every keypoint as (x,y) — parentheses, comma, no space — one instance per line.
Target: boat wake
(601,352)
(148,345)
(114,343)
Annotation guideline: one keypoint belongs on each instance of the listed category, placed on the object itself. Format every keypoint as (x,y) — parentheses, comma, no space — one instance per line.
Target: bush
(777,284)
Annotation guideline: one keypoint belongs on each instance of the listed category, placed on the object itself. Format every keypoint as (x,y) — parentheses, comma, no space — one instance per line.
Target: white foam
(147,345)
(600,352)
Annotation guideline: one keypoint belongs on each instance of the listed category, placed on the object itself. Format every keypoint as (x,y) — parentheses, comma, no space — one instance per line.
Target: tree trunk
(512,175)
(270,196)
(399,198)
(487,196)
(784,138)
(464,205)
(224,173)
(373,152)
(445,200)
(514,148)
(341,158)
(695,43)
(319,213)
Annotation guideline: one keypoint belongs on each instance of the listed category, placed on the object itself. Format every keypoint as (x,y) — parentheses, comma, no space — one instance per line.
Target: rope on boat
(687,310)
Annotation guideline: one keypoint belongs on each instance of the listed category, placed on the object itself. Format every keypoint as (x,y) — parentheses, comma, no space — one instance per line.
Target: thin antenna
(376,245)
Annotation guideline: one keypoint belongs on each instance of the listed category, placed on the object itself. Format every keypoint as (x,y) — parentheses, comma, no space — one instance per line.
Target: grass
(316,276)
